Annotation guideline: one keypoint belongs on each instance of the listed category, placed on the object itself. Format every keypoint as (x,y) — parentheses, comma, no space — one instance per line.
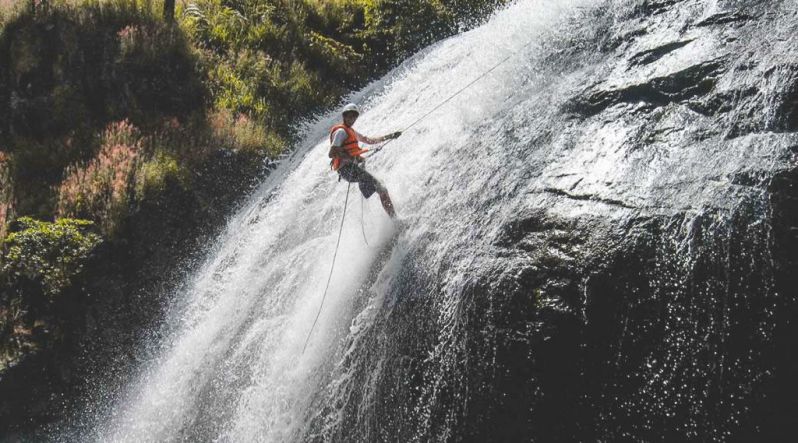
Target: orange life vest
(350,145)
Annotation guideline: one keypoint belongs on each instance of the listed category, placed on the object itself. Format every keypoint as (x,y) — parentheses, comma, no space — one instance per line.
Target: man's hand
(394,135)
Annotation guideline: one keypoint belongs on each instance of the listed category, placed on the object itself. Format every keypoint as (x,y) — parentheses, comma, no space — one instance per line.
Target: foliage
(132,166)
(50,254)
(101,189)
(37,263)
(398,28)
(242,133)
(6,193)
(97,63)
(73,70)
(280,60)
(152,176)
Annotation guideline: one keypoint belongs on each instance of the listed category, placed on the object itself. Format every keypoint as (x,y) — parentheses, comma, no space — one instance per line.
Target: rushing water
(522,140)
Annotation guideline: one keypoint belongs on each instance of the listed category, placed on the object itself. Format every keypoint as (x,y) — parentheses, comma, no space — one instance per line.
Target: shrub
(6,192)
(265,61)
(101,189)
(49,254)
(75,67)
(158,74)
(153,174)
(244,134)
(37,263)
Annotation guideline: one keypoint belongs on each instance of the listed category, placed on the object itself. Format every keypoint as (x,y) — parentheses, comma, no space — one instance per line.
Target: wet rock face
(645,289)
(673,87)
(673,329)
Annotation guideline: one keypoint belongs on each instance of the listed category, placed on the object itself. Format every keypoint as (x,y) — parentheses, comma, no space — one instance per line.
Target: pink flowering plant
(101,189)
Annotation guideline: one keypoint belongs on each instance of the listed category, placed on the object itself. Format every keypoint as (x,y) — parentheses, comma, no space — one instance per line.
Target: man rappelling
(347,159)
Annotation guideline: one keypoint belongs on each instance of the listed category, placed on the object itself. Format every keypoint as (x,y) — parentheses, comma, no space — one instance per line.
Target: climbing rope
(332,267)
(459,91)
(362,218)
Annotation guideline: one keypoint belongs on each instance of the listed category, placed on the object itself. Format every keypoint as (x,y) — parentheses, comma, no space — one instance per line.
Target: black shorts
(353,173)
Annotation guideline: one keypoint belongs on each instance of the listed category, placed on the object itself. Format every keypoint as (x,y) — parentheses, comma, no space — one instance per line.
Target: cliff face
(638,282)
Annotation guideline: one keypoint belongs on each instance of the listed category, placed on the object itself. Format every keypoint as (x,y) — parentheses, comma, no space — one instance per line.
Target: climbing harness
(332,267)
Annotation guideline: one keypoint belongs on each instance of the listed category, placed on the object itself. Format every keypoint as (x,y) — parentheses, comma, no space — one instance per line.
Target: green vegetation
(279,60)
(68,73)
(47,254)
(6,192)
(38,262)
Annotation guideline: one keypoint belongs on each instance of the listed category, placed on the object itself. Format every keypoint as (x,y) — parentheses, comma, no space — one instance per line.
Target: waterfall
(611,182)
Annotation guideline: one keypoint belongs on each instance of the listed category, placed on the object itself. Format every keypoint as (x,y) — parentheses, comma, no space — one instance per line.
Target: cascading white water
(232,368)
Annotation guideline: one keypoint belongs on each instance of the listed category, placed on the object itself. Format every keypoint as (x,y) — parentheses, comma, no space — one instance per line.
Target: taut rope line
(481,76)
(332,267)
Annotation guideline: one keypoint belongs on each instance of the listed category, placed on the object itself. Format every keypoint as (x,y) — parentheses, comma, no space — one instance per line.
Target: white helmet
(351,107)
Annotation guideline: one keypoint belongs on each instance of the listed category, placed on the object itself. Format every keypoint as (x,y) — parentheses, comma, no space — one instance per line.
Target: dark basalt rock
(677,87)
(647,290)
(787,111)
(654,7)
(652,55)
(724,18)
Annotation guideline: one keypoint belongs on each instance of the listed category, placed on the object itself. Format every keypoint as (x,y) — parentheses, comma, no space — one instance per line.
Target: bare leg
(387,204)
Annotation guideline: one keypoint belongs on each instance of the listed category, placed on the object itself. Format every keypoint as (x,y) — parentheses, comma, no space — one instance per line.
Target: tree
(169,11)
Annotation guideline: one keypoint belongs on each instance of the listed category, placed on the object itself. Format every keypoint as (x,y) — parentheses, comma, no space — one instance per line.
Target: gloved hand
(394,135)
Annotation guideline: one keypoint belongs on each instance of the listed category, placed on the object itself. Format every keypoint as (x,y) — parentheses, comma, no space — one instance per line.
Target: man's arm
(374,141)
